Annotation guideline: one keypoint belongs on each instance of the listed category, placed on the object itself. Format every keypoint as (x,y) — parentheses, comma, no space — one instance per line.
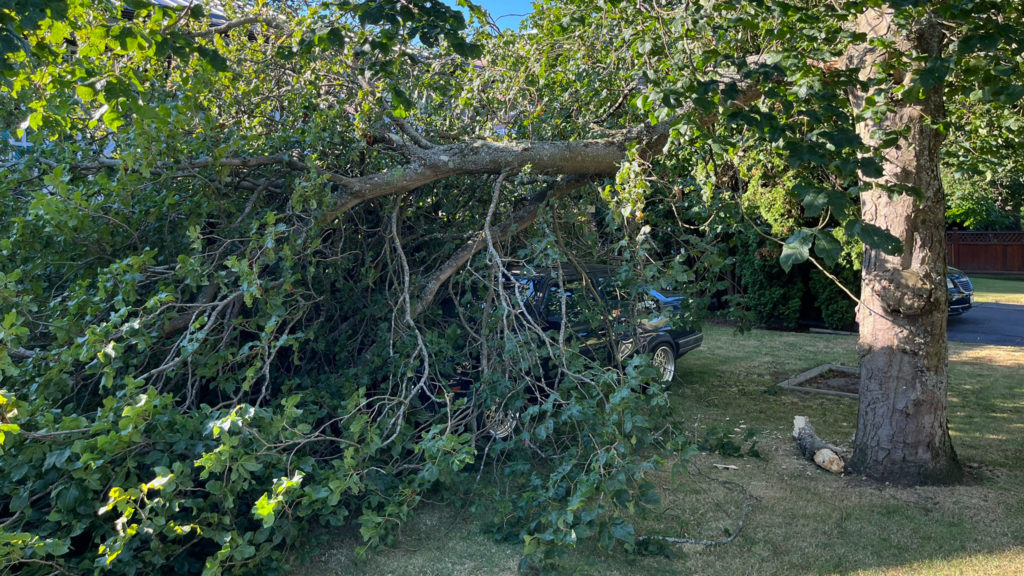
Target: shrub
(838,310)
(772,295)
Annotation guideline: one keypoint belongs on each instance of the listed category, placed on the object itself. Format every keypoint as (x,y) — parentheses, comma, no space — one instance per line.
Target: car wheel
(664,359)
(500,423)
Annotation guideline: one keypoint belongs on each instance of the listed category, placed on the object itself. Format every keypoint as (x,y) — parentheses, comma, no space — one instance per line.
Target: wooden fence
(986,252)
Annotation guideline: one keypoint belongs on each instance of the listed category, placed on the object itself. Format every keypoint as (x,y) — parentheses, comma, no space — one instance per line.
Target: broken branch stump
(814,448)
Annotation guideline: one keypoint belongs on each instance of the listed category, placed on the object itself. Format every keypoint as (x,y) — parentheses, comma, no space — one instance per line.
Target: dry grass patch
(999,563)
(1002,356)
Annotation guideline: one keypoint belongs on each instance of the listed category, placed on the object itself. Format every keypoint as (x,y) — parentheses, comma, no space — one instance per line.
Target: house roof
(214,9)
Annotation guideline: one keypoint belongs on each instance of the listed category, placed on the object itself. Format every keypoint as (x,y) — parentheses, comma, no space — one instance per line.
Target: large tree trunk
(902,432)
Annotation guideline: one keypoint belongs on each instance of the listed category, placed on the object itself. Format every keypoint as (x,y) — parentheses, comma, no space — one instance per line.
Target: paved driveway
(999,324)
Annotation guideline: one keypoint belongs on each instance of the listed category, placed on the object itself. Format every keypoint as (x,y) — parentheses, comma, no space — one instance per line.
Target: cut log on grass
(814,448)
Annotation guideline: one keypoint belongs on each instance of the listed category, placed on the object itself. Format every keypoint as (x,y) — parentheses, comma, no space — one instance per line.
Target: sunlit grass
(1002,356)
(1008,562)
(998,289)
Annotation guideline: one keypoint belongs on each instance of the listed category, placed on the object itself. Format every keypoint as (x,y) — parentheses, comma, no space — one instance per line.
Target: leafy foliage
(977,203)
(838,310)
(771,294)
(221,327)
(733,442)
(199,365)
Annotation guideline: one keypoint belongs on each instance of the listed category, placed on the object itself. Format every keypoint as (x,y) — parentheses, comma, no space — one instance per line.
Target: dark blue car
(612,323)
(961,292)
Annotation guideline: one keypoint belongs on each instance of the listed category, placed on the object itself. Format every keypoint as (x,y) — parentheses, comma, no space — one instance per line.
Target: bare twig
(52,434)
(520,219)
(421,347)
(21,353)
(411,132)
(268,19)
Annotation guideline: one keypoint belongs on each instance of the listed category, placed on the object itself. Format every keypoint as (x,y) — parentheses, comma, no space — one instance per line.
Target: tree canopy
(241,264)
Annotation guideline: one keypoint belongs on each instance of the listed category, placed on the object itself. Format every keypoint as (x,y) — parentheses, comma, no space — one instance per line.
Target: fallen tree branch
(814,448)
(429,163)
(519,220)
(206,296)
(597,157)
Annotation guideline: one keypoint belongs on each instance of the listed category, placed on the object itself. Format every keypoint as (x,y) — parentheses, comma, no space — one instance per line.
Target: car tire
(500,424)
(664,359)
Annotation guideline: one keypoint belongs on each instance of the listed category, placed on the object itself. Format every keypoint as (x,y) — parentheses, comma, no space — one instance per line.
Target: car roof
(569,272)
(593,271)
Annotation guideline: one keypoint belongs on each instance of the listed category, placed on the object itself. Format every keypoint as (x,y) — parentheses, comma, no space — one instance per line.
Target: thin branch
(411,132)
(618,104)
(57,568)
(522,218)
(21,353)
(181,15)
(268,19)
(53,434)
(748,499)
(421,347)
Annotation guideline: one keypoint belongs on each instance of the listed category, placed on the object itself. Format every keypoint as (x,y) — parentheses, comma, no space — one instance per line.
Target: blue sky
(498,8)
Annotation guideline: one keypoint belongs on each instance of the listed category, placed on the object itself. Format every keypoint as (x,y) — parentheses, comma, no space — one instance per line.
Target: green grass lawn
(1003,290)
(802,520)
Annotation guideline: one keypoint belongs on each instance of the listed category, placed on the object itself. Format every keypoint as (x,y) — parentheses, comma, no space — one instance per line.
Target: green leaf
(874,237)
(623,530)
(214,58)
(1009,95)
(870,167)
(474,9)
(335,37)
(530,544)
(244,551)
(85,92)
(827,247)
(796,249)
(815,200)
(401,103)
(650,497)
(264,510)
(463,48)
(112,118)
(56,458)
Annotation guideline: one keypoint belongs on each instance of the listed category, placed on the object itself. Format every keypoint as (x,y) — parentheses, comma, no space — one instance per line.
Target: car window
(573,304)
(613,294)
(622,302)
(520,290)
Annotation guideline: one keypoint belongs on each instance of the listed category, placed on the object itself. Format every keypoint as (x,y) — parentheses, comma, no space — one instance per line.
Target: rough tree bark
(597,157)
(902,431)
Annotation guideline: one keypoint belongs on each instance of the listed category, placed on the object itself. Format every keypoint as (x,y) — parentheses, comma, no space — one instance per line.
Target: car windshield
(576,299)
